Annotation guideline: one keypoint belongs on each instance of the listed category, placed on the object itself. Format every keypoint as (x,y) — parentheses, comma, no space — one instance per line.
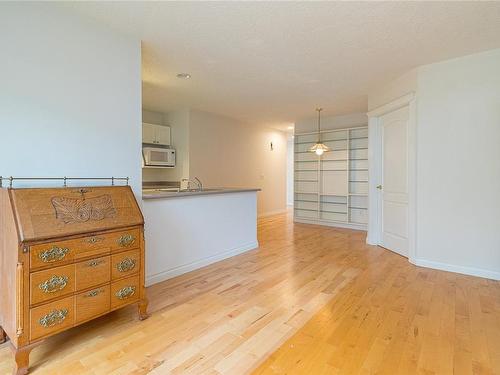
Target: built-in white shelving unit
(332,189)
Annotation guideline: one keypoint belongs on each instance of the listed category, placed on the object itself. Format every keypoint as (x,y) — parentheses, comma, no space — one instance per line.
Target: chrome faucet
(196,180)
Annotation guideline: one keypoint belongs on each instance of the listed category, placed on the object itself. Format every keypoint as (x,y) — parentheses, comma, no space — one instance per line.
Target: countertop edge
(173,195)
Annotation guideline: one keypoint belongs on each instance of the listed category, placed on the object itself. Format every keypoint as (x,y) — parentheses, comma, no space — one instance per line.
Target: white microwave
(158,157)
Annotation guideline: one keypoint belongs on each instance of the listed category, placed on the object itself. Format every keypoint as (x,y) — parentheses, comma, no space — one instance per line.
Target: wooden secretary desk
(67,255)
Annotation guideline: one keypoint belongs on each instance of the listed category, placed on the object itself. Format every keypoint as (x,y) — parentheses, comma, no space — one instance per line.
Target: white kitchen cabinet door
(148,133)
(163,135)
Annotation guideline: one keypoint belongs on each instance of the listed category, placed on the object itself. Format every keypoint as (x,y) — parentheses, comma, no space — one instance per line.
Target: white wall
(331,122)
(458,161)
(227,153)
(70,97)
(179,124)
(153,117)
(397,88)
(458,164)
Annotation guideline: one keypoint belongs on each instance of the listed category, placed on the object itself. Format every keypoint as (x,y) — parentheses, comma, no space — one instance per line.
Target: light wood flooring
(344,307)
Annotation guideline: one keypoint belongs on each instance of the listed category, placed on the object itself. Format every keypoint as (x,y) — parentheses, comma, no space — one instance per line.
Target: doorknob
(379,187)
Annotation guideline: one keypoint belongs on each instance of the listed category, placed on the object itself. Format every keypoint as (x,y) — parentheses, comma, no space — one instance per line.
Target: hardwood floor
(395,318)
(344,307)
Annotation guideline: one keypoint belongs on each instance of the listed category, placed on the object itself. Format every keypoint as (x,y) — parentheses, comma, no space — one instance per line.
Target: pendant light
(319,148)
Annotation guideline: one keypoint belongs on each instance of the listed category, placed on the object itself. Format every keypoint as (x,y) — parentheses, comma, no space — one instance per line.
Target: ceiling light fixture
(184,75)
(319,148)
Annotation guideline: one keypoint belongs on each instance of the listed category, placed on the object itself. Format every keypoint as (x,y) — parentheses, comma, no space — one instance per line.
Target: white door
(394,185)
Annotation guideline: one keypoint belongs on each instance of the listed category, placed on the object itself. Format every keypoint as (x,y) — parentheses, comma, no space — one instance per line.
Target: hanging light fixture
(319,148)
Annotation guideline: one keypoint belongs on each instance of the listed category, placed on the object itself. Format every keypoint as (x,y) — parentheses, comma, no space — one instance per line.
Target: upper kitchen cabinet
(155,134)
(163,135)
(148,133)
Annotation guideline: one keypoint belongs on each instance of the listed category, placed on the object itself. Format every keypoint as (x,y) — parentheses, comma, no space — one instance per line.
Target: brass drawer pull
(53,254)
(126,240)
(93,240)
(126,292)
(95,262)
(125,265)
(54,317)
(54,284)
(94,293)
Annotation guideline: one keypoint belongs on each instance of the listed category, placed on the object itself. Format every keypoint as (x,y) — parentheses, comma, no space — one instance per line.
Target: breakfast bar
(187,230)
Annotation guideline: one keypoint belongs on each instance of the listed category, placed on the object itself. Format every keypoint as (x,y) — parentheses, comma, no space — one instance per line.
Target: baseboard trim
(330,224)
(471,271)
(177,271)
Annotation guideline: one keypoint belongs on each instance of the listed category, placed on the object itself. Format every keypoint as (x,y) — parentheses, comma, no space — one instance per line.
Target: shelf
(326,160)
(336,149)
(344,168)
(334,212)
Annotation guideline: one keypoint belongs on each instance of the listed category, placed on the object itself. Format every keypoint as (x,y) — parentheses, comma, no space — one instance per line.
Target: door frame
(375,171)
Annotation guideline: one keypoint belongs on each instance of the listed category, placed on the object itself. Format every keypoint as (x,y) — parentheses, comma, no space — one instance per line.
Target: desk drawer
(92,303)
(62,252)
(52,283)
(124,291)
(51,318)
(125,264)
(92,272)
(127,239)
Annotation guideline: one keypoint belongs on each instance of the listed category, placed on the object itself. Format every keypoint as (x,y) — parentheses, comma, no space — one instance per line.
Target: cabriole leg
(3,336)
(22,358)
(143,309)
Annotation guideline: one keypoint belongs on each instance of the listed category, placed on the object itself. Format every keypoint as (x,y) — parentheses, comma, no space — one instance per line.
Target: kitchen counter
(199,228)
(174,193)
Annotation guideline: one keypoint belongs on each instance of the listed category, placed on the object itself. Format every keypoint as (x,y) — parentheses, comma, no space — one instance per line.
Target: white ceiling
(274,62)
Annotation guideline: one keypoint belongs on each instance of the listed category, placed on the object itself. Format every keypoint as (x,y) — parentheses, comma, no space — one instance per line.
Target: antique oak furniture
(67,255)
